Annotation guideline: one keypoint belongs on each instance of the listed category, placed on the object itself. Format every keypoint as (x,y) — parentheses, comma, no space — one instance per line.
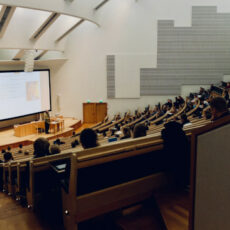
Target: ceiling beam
(45,25)
(70,30)
(19,55)
(41,54)
(6,14)
(100,4)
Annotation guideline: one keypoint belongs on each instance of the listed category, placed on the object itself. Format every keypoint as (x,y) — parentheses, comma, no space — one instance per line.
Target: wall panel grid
(199,54)
(110,66)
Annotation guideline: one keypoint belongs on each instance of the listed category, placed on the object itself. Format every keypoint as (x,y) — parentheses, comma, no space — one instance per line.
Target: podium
(28,128)
(33,127)
(94,112)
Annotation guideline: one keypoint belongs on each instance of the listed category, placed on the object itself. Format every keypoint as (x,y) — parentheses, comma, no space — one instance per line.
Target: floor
(13,216)
(145,216)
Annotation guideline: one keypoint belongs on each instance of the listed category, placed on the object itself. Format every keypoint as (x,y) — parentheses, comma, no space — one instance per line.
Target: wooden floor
(173,207)
(13,216)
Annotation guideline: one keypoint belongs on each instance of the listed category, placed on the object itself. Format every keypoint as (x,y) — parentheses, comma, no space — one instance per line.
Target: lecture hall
(115,114)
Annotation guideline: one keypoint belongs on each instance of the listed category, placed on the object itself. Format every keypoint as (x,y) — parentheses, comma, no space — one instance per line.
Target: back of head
(184,118)
(219,103)
(7,157)
(88,138)
(41,147)
(139,131)
(54,149)
(173,136)
(218,107)
(127,132)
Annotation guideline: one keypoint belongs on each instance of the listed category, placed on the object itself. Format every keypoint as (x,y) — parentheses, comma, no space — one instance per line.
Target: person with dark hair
(88,138)
(41,147)
(20,148)
(181,100)
(218,108)
(126,133)
(54,149)
(3,151)
(184,119)
(139,131)
(176,152)
(58,142)
(169,103)
(74,134)
(8,148)
(74,143)
(7,157)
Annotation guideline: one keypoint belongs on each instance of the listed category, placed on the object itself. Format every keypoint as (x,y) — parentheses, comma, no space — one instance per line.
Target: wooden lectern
(94,112)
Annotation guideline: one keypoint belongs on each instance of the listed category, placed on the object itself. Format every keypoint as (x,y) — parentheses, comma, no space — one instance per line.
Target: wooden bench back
(80,206)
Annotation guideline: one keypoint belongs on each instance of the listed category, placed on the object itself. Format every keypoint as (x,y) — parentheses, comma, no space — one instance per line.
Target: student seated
(20,148)
(74,134)
(3,151)
(8,148)
(54,149)
(176,152)
(139,131)
(218,108)
(126,133)
(41,147)
(74,143)
(88,138)
(58,142)
(184,119)
(7,157)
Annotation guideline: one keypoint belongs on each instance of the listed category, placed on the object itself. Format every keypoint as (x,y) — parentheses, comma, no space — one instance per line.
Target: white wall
(226,78)
(127,27)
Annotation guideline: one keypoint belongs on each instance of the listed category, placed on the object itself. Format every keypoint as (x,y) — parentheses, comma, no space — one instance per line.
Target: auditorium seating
(82,201)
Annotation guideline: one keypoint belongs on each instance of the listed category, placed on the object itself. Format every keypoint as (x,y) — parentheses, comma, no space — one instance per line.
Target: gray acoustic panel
(199,54)
(110,64)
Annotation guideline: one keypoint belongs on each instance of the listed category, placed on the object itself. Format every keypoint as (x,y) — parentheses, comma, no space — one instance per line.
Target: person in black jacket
(176,153)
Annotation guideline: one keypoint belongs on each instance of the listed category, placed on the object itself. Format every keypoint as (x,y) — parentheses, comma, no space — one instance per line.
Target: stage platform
(7,137)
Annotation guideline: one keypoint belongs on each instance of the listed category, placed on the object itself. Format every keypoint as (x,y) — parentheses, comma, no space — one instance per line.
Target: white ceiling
(25,22)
